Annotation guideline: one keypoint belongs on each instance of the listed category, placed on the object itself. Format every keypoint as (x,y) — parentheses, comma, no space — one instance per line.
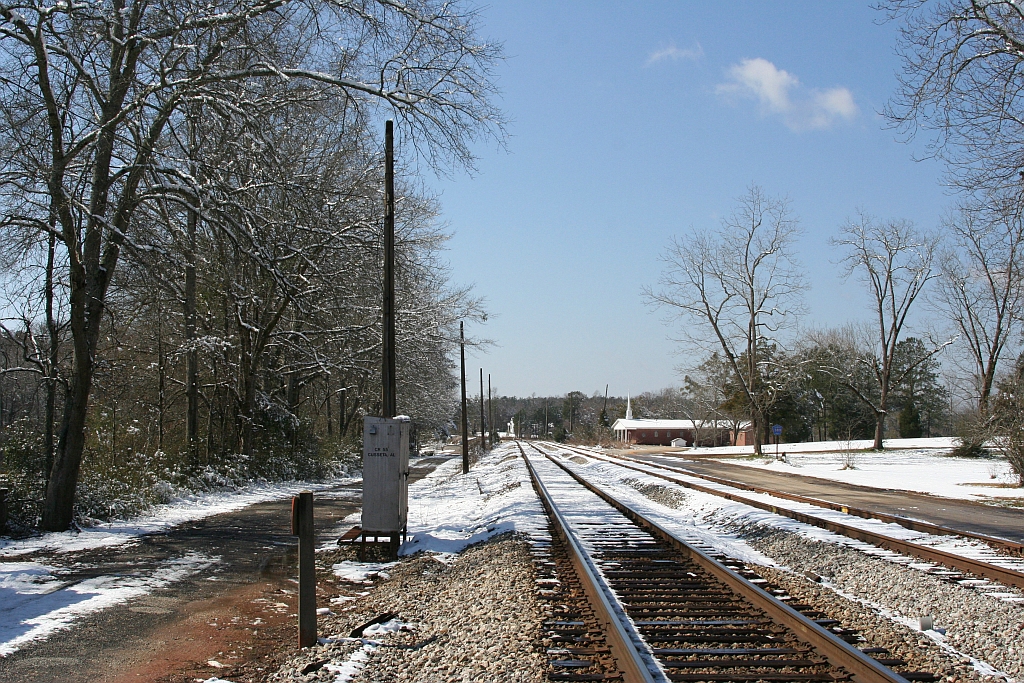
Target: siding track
(668,610)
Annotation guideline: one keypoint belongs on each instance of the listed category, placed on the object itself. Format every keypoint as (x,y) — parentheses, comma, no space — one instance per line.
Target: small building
(691,432)
(681,432)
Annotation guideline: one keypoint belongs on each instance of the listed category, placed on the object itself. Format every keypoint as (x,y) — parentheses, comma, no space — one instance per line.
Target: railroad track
(626,600)
(1003,574)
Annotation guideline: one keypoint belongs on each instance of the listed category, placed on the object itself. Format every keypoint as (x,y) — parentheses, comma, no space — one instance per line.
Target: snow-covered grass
(449,511)
(924,470)
(922,465)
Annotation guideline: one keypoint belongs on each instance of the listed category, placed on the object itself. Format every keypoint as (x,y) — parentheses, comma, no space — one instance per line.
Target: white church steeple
(629,408)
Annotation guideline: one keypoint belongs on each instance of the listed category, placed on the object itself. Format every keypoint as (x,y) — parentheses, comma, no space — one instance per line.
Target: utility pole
(342,407)
(388,337)
(604,411)
(545,419)
(191,353)
(483,428)
(570,412)
(465,416)
(490,413)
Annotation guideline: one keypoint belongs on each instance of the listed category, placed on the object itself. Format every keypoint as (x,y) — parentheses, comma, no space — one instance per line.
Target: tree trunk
(161,366)
(51,371)
(758,428)
(879,430)
(59,508)
(247,412)
(327,407)
(191,353)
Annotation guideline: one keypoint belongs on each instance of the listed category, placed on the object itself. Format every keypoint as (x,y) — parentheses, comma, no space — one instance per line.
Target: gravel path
(471,617)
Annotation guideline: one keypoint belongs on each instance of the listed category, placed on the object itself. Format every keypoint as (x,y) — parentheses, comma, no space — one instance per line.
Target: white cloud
(674,54)
(779,92)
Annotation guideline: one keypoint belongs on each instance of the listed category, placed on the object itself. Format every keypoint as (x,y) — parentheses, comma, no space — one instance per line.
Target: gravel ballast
(472,617)
(983,627)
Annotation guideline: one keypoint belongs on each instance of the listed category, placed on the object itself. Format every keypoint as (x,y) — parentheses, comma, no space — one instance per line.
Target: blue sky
(633,122)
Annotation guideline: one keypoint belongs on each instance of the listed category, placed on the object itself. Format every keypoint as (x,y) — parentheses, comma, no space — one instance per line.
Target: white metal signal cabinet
(385,475)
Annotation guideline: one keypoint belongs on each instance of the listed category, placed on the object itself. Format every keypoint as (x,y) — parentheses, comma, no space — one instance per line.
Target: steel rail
(912,524)
(1005,576)
(863,668)
(620,642)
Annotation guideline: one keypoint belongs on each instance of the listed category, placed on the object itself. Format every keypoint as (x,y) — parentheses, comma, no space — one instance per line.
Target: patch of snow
(34,602)
(391,626)
(346,671)
(361,572)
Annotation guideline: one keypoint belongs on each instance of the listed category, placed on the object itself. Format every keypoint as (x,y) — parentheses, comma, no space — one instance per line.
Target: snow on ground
(922,465)
(362,572)
(160,518)
(941,442)
(34,602)
(449,511)
(910,469)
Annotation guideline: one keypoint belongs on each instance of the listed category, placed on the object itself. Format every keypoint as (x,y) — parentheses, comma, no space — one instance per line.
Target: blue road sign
(777,430)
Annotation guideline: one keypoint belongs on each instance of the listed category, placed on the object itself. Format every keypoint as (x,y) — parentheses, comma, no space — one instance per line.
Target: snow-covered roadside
(160,518)
(35,601)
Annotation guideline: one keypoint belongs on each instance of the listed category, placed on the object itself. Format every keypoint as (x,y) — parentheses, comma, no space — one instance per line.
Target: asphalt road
(238,613)
(1004,522)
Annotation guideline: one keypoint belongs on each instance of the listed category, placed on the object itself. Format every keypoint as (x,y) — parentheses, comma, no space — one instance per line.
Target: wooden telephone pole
(388,337)
(465,415)
(483,428)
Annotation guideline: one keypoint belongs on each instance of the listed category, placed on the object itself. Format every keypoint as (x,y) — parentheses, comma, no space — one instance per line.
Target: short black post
(302,526)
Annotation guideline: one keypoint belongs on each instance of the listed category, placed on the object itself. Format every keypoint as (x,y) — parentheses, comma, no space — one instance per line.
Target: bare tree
(894,260)
(963,83)
(738,287)
(981,288)
(90,93)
